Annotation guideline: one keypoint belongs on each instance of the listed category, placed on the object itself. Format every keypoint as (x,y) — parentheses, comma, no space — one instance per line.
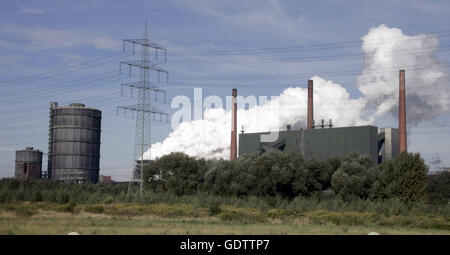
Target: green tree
(274,171)
(354,177)
(246,174)
(318,175)
(403,178)
(438,188)
(219,177)
(176,173)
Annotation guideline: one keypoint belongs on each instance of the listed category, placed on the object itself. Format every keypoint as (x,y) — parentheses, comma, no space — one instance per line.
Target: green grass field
(131,219)
(88,225)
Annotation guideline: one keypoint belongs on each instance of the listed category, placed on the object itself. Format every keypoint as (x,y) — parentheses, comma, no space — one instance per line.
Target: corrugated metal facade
(28,163)
(75,143)
(317,143)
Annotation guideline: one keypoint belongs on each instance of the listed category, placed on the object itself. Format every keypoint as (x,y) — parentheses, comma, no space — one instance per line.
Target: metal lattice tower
(144,108)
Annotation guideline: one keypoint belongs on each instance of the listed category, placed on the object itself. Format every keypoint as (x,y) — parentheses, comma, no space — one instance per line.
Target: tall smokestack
(233,149)
(309,124)
(402,114)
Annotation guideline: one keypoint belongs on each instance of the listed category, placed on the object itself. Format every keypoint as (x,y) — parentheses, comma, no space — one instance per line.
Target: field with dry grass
(134,219)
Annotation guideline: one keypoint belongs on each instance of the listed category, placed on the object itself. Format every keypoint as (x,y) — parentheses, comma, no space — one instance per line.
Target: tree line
(288,175)
(275,174)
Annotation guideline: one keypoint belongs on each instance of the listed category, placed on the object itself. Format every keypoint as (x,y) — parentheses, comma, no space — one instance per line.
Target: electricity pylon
(144,108)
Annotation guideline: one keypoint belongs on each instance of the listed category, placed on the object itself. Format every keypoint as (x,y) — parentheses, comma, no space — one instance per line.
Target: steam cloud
(386,50)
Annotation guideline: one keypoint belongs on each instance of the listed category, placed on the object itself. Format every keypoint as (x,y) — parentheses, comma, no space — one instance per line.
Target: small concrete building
(105,179)
(28,163)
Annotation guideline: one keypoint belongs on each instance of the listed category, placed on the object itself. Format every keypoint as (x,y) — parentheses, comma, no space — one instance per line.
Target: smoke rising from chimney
(386,51)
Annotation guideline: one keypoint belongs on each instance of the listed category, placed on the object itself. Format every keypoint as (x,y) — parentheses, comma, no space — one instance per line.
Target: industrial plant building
(322,143)
(319,142)
(28,163)
(74,143)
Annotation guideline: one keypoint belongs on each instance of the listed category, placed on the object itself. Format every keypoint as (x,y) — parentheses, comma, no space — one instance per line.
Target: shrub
(344,218)
(94,208)
(214,208)
(4,195)
(438,188)
(25,210)
(243,215)
(108,200)
(70,207)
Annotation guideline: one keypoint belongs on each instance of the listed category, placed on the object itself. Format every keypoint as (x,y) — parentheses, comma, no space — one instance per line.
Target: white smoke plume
(386,50)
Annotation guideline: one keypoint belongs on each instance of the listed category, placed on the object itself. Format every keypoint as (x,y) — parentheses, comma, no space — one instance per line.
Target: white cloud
(387,50)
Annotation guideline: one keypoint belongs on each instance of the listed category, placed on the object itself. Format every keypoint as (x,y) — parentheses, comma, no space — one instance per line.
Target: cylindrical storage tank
(28,163)
(75,143)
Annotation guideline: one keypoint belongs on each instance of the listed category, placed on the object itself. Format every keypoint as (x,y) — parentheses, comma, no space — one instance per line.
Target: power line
(51,86)
(278,76)
(308,59)
(321,46)
(45,114)
(37,107)
(61,71)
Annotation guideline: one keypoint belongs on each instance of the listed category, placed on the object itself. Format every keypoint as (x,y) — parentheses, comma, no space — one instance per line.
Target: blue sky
(68,51)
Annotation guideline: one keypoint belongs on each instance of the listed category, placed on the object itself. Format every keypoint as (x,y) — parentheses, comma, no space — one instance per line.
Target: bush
(4,195)
(67,207)
(94,209)
(438,188)
(25,210)
(243,215)
(214,208)
(344,218)
(108,200)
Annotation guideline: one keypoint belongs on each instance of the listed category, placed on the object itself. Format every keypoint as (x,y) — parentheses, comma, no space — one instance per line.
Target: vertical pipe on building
(50,140)
(233,149)
(402,113)
(309,124)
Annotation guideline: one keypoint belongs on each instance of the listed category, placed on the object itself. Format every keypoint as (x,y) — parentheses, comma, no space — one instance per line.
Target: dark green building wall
(316,143)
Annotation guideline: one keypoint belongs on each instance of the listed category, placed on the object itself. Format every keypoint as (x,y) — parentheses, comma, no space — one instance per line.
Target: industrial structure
(74,143)
(28,163)
(321,143)
(145,108)
(105,179)
(233,150)
(402,113)
(326,142)
(310,118)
